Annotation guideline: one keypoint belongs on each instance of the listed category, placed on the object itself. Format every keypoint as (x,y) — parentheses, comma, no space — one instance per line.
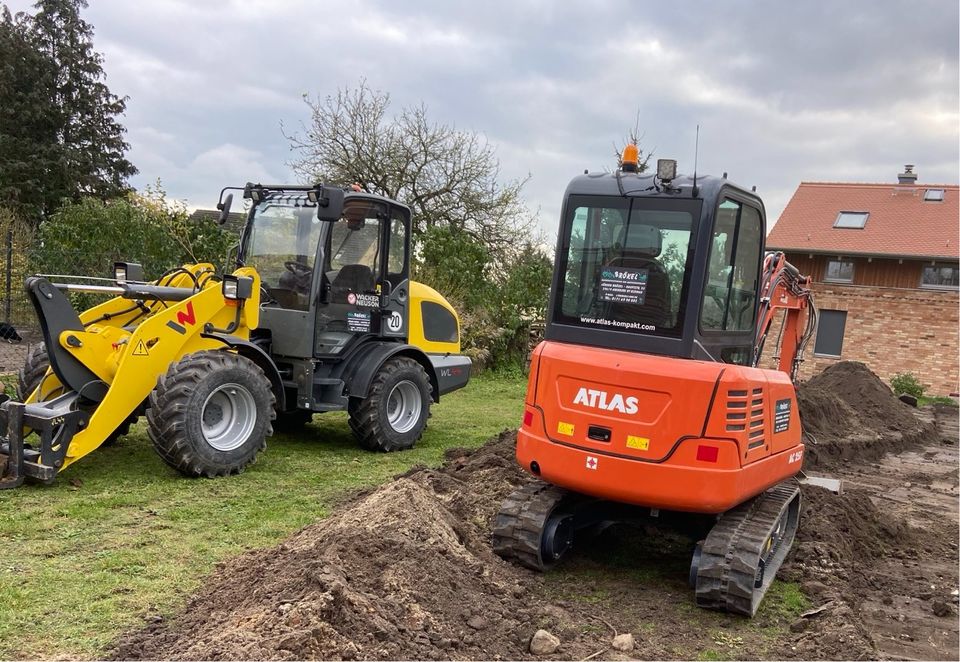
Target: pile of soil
(847,412)
(405,571)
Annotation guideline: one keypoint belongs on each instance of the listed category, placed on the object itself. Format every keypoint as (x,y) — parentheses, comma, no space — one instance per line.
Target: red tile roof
(900,224)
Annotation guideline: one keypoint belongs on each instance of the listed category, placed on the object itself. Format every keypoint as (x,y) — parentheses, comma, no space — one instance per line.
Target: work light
(127,271)
(667,169)
(237,287)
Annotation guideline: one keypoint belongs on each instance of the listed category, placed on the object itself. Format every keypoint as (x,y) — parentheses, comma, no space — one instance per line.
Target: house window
(830,332)
(942,276)
(933,195)
(851,219)
(839,271)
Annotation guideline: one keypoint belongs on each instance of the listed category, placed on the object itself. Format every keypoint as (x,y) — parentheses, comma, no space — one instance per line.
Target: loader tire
(210,414)
(34,368)
(31,374)
(394,414)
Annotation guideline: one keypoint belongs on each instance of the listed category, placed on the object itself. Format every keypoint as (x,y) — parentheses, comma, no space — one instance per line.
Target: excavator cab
(657,272)
(645,400)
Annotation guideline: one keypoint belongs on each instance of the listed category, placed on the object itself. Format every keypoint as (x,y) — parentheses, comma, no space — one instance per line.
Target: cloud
(783,92)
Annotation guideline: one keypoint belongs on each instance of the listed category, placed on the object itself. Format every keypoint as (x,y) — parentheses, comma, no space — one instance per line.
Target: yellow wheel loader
(319,315)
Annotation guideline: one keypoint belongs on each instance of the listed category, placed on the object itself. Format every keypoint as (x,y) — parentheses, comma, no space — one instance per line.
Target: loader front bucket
(53,423)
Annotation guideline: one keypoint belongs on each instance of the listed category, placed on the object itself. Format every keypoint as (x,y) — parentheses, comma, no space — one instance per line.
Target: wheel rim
(403,406)
(228,417)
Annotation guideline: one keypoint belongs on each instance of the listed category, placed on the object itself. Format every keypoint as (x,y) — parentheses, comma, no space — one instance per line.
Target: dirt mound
(847,529)
(405,572)
(848,411)
(838,536)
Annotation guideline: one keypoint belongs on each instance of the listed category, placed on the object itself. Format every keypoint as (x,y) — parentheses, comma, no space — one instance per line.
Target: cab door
(364,276)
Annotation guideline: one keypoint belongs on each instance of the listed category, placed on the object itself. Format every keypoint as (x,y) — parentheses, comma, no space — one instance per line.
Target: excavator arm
(784,290)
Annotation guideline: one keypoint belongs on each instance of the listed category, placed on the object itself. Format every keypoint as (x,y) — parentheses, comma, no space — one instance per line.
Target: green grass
(120,535)
(936,400)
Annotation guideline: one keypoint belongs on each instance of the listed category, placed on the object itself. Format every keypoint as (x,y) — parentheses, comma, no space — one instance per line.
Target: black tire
(194,396)
(292,422)
(370,418)
(35,367)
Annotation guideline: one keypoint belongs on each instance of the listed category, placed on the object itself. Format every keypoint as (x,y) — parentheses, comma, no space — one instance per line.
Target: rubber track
(519,524)
(730,556)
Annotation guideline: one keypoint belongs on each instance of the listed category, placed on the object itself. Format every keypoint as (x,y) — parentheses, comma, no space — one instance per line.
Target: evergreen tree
(63,125)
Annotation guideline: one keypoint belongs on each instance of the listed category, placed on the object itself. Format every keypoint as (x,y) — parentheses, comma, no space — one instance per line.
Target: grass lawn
(120,535)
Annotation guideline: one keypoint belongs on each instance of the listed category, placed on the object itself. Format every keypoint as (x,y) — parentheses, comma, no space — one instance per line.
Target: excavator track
(531,527)
(736,563)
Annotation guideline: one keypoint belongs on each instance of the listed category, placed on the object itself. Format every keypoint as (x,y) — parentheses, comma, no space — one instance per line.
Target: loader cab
(662,268)
(329,283)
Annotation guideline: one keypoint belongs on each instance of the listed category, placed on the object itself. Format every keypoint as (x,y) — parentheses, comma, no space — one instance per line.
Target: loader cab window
(624,265)
(730,295)
(397,251)
(282,246)
(354,252)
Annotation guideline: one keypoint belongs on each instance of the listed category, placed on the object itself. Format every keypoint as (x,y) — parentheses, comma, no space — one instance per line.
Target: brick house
(885,263)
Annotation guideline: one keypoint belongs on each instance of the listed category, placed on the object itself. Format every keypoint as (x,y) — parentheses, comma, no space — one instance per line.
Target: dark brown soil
(406,571)
(849,413)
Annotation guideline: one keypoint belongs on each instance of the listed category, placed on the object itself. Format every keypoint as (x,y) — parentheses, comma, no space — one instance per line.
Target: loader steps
(736,563)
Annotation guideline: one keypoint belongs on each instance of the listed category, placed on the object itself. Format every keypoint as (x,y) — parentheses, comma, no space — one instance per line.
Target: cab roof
(645,185)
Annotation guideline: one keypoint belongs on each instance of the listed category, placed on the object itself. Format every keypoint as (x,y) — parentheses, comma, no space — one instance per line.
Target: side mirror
(224,208)
(330,205)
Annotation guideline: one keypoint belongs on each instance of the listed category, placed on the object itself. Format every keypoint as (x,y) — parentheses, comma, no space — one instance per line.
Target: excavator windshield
(624,264)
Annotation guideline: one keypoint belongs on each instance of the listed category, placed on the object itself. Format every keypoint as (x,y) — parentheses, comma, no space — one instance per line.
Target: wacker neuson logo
(589,397)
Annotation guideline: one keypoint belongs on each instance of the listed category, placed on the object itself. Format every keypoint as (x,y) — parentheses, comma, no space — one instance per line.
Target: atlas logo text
(589,397)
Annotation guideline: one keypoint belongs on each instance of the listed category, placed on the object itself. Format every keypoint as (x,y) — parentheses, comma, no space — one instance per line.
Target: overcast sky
(784,92)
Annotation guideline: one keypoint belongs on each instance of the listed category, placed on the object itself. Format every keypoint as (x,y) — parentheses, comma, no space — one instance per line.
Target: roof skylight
(851,219)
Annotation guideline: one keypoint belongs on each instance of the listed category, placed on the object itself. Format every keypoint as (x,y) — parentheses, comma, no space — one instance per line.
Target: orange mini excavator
(645,400)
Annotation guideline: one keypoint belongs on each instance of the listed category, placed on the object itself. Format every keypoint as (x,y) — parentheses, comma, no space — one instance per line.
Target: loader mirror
(224,208)
(330,204)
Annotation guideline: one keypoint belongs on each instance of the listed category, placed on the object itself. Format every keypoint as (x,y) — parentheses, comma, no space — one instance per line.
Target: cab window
(354,252)
(730,295)
(397,252)
(624,265)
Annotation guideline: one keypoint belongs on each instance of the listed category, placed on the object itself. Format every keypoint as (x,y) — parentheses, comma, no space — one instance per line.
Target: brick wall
(891,330)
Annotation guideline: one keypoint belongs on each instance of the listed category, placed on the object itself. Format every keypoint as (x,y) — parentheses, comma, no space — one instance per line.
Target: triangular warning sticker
(141,349)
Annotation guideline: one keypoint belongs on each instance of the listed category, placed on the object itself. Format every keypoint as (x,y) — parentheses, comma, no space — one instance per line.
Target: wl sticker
(565,428)
(638,443)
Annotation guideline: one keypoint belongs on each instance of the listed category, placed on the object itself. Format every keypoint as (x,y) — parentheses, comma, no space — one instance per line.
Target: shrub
(86,237)
(905,382)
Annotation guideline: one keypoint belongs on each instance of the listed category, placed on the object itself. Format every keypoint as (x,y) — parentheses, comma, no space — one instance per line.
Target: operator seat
(637,248)
(356,278)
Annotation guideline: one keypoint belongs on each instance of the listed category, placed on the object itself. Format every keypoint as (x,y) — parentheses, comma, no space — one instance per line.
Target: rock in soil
(623,642)
(543,643)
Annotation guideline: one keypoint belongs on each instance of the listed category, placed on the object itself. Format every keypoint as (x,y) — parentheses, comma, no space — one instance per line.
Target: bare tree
(448,177)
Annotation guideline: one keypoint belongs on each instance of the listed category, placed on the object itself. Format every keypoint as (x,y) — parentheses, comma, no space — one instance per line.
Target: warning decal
(141,349)
(781,416)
